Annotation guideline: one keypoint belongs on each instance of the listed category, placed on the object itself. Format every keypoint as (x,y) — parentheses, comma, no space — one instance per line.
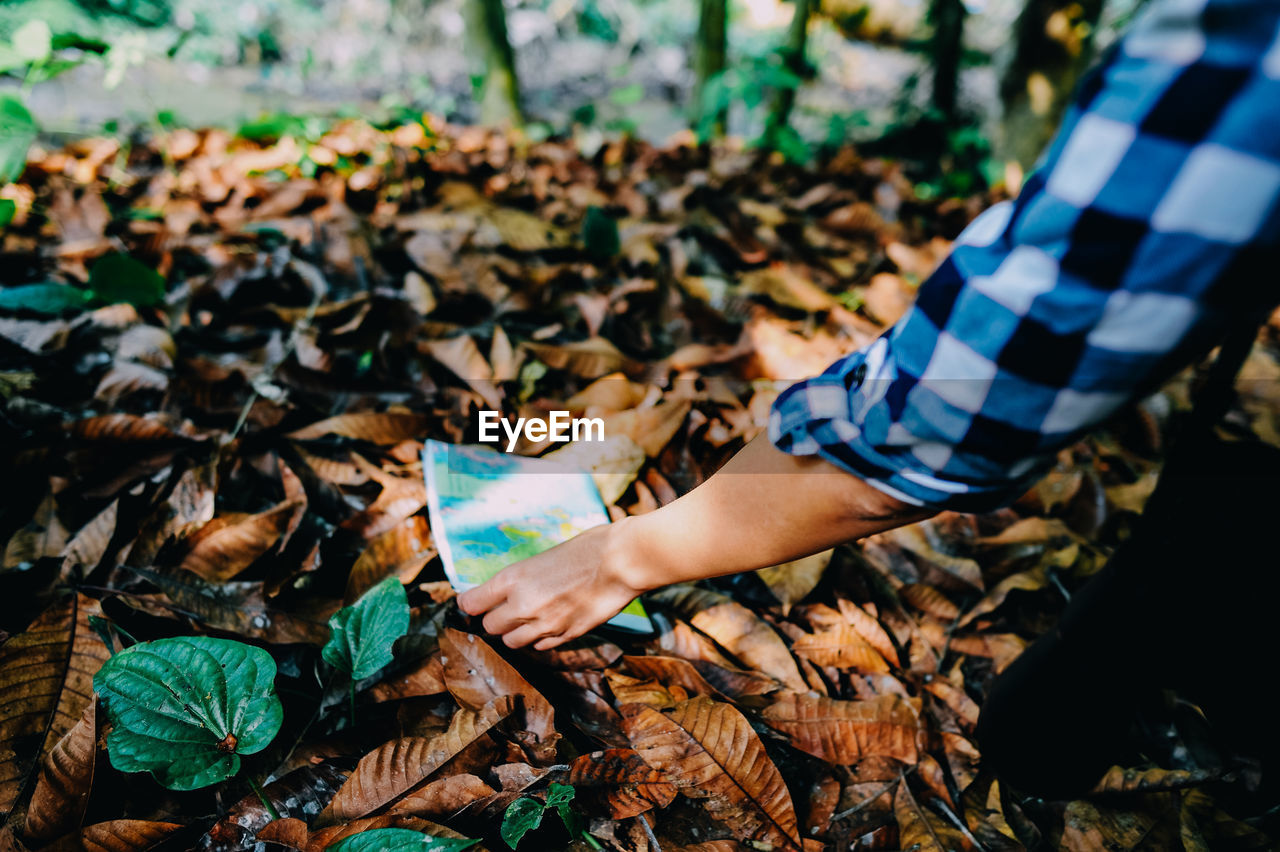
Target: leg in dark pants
(1191,601)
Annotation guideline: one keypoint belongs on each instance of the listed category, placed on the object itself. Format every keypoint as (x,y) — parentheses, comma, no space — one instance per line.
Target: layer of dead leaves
(243,458)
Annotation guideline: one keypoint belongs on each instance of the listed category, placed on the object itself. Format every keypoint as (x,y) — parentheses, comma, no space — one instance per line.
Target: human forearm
(763,508)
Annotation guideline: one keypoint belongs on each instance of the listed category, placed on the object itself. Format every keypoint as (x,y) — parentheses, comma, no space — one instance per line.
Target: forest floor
(230,448)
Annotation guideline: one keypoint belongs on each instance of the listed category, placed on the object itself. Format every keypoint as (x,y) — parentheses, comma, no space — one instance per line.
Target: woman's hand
(560,593)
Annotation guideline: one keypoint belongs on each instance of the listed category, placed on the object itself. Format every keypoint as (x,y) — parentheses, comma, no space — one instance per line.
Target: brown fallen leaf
(48,674)
(870,629)
(444,797)
(791,582)
(622,781)
(476,675)
(66,778)
(43,536)
(749,638)
(125,835)
(427,679)
(387,427)
(707,748)
(1001,648)
(1152,824)
(122,429)
(929,600)
(845,732)
(588,359)
(401,551)
(921,829)
(90,543)
(1132,780)
(396,768)
(228,544)
(841,647)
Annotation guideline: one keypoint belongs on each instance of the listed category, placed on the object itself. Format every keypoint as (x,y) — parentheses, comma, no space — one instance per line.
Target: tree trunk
(1052,46)
(709,57)
(498,88)
(793,57)
(948,42)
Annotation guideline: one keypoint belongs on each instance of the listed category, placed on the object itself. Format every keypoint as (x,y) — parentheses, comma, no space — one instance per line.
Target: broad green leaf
(364,632)
(186,708)
(120,278)
(17,131)
(47,298)
(7,210)
(522,817)
(399,840)
(600,234)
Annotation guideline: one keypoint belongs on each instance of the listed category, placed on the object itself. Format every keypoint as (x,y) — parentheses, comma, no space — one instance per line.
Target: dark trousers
(1190,602)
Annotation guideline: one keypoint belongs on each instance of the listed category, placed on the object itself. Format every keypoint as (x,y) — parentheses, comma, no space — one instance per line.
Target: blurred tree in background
(959,88)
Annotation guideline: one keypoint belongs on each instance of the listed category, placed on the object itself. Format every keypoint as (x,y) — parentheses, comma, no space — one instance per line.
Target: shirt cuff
(824,416)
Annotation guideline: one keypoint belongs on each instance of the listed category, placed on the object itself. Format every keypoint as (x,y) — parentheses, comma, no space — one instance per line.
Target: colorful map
(489,509)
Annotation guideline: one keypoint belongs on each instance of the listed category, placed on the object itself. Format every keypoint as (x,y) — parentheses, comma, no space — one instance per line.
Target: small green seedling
(525,814)
(399,840)
(185,709)
(363,633)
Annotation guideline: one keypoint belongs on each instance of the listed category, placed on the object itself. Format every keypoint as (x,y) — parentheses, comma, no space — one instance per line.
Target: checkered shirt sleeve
(1152,223)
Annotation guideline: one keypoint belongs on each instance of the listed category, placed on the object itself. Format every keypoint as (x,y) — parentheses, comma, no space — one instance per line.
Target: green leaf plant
(185,709)
(525,814)
(399,840)
(362,634)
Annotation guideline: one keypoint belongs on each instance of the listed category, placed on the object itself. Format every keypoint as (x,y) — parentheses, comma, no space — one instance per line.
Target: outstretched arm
(762,508)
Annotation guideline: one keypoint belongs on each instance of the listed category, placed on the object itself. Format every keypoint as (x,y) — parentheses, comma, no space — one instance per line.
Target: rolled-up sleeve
(1151,225)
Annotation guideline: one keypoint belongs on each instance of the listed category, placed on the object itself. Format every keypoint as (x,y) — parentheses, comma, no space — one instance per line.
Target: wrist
(627,558)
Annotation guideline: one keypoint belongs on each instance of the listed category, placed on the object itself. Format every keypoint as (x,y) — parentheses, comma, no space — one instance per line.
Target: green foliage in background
(112,279)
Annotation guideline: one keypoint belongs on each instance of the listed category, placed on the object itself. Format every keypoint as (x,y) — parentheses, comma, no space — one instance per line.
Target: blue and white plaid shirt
(1151,225)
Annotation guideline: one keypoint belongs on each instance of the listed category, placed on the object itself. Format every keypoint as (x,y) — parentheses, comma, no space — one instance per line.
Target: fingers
(483,597)
(549,642)
(502,620)
(525,634)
